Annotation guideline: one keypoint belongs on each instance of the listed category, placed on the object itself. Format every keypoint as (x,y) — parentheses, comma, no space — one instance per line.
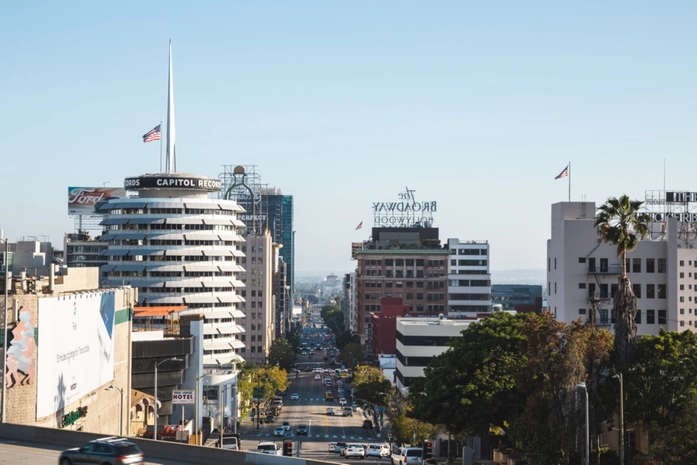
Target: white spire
(171,161)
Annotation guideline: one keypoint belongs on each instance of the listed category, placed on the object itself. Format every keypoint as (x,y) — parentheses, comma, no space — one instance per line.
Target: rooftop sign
(407,212)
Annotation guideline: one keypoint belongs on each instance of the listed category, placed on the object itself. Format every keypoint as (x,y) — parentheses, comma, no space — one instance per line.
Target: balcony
(612,269)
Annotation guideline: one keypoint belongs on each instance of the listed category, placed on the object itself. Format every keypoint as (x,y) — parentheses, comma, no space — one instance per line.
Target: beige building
(662,268)
(68,341)
(258,306)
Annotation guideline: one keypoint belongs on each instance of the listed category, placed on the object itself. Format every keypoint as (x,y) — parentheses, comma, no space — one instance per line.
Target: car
(109,450)
(332,447)
(367,424)
(378,450)
(330,410)
(342,401)
(295,396)
(279,431)
(286,426)
(354,450)
(407,456)
(348,411)
(318,376)
(302,430)
(340,446)
(268,447)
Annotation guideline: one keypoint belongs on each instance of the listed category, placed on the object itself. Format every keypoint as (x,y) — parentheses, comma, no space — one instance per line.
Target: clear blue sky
(477,105)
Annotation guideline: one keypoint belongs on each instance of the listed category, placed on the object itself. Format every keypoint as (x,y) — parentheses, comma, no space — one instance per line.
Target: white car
(332,447)
(378,450)
(295,396)
(407,456)
(267,447)
(342,401)
(280,431)
(354,450)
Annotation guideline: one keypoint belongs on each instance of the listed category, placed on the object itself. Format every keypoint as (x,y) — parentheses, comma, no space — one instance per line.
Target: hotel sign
(406,212)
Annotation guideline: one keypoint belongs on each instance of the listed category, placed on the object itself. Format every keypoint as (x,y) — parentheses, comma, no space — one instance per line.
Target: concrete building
(405,263)
(469,279)
(80,249)
(419,340)
(180,248)
(259,321)
(384,327)
(60,379)
(662,268)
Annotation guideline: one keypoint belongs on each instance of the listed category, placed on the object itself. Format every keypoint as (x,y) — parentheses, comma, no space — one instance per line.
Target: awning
(165,235)
(200,299)
(227,221)
(181,220)
(218,345)
(157,311)
(123,236)
(106,268)
(204,205)
(203,267)
(237,344)
(229,298)
(113,220)
(166,268)
(173,204)
(130,204)
(129,267)
(238,314)
(238,223)
(142,220)
(114,252)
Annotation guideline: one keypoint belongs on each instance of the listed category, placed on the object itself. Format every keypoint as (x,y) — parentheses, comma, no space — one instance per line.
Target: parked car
(407,456)
(354,450)
(302,430)
(268,447)
(109,450)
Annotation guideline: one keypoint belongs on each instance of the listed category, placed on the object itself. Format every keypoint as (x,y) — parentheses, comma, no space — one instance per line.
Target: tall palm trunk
(624,311)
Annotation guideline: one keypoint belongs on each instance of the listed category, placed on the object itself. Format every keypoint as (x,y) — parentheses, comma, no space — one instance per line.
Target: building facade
(419,340)
(79,250)
(582,272)
(384,327)
(523,298)
(180,248)
(469,279)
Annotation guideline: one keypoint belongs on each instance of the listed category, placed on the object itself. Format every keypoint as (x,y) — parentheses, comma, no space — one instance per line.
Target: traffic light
(427,449)
(288,447)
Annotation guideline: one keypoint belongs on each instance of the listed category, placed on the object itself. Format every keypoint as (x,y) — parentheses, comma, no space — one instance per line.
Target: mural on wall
(21,355)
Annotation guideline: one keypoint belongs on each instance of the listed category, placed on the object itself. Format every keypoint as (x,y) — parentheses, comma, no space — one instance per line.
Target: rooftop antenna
(171,160)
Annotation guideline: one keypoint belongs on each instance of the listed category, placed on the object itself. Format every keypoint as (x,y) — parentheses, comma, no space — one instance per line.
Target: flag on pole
(153,134)
(564,173)
(360,225)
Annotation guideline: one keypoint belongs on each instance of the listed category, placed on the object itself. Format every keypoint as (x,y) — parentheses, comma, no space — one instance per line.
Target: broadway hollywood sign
(405,212)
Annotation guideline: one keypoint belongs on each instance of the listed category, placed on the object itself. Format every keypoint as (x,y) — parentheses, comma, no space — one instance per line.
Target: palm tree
(619,222)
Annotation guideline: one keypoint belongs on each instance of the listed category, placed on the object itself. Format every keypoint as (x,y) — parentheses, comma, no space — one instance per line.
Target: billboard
(76,348)
(81,200)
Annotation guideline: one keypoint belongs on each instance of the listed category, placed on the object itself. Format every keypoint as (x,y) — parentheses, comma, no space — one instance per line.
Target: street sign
(182,397)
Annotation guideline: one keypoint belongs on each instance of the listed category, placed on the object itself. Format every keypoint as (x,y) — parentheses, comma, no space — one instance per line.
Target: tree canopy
(281,353)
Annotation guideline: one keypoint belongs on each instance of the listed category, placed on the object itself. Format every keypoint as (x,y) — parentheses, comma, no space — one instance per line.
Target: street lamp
(582,385)
(619,376)
(157,364)
(111,388)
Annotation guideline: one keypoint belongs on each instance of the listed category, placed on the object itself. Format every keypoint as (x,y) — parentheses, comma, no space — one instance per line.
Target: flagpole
(160,146)
(569,181)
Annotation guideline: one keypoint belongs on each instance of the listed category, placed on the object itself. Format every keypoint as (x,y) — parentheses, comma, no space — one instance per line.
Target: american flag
(360,225)
(564,173)
(153,134)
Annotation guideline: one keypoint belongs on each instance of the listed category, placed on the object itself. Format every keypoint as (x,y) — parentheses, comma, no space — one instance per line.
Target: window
(650,291)
(581,311)
(661,317)
(555,263)
(613,290)
(581,285)
(582,259)
(682,275)
(682,287)
(650,317)
(637,290)
(555,288)
(650,265)
(591,290)
(682,262)
(682,311)
(661,265)
(661,291)
(591,265)
(637,319)
(636,265)
(682,298)
(603,265)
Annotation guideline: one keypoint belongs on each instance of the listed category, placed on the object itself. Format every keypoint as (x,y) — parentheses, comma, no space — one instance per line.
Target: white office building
(469,278)
(180,248)
(662,268)
(419,340)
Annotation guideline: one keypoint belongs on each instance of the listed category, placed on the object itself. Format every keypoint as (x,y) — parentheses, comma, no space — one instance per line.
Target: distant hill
(519,277)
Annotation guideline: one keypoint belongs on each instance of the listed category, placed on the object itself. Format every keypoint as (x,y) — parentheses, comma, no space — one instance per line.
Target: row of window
(172,227)
(172,258)
(470,252)
(170,211)
(408,296)
(470,283)
(419,308)
(469,296)
(441,341)
(186,290)
(168,274)
(405,262)
(468,262)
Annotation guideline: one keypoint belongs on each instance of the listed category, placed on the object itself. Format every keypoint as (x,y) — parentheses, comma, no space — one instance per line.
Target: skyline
(476,107)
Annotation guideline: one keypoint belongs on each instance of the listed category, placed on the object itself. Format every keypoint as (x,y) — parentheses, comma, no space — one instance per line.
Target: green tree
(409,430)
(352,353)
(281,353)
(371,385)
(661,394)
(267,379)
(619,222)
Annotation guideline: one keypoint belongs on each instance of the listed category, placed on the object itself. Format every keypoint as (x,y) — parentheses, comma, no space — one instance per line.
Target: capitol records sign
(81,200)
(406,212)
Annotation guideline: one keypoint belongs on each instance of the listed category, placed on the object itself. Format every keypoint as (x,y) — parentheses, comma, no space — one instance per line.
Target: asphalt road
(310,410)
